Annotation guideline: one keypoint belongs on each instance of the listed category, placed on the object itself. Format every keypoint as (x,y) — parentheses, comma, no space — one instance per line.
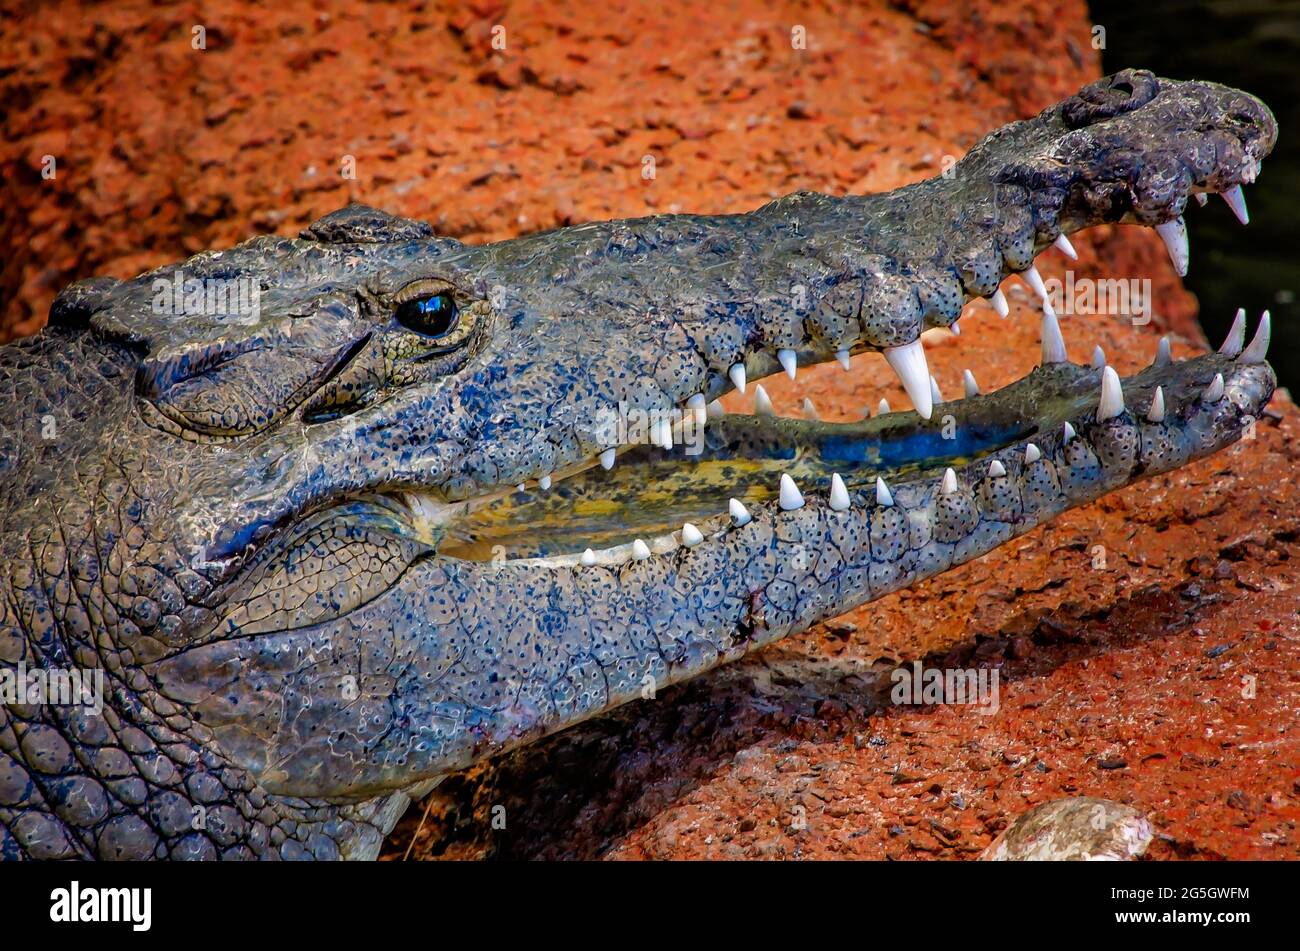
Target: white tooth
(1156,413)
(544,483)
(588,558)
(1236,338)
(519,487)
(843,356)
(1236,200)
(737,374)
(790,497)
(697,402)
(935,396)
(999,302)
(1032,454)
(762,404)
(949,484)
(1053,342)
(969,385)
(1174,235)
(1111,403)
(1201,198)
(809,411)
(1258,348)
(739,514)
(691,535)
(607,459)
(1163,356)
(1069,432)
(789,362)
(1035,280)
(883,495)
(1066,248)
(955,328)
(1098,357)
(839,494)
(908,361)
(882,408)
(640,551)
(996,469)
(715,410)
(1214,392)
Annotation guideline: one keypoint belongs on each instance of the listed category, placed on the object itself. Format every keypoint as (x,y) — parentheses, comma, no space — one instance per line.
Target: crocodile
(295,529)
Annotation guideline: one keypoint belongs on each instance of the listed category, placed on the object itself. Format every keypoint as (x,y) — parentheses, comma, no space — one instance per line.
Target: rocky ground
(1147,646)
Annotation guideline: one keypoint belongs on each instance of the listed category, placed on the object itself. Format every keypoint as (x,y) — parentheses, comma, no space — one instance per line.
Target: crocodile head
(339,515)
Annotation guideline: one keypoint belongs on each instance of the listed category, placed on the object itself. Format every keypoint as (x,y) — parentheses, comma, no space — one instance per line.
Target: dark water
(1253,45)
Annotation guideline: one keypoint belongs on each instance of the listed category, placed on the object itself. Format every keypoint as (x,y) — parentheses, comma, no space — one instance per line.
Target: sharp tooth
(1053,342)
(955,327)
(519,487)
(999,302)
(544,483)
(1163,356)
(1258,348)
(908,361)
(739,514)
(640,551)
(844,357)
(790,497)
(1214,392)
(935,396)
(1098,357)
(1174,235)
(1032,454)
(1156,413)
(883,495)
(1201,198)
(1236,200)
(969,385)
(1111,403)
(789,362)
(1236,338)
(882,408)
(762,404)
(949,484)
(691,535)
(996,469)
(1035,280)
(588,558)
(607,459)
(697,402)
(715,410)
(839,494)
(809,411)
(737,374)
(1069,432)
(1066,248)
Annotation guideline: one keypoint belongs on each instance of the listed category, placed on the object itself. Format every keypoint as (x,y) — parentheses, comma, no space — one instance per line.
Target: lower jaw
(641,505)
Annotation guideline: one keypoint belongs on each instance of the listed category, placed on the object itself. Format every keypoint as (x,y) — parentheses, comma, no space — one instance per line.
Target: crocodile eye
(434,315)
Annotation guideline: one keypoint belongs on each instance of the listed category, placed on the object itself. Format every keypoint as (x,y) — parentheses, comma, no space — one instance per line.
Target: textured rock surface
(1122,665)
(1080,829)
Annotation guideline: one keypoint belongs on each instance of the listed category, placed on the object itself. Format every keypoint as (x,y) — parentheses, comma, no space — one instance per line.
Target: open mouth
(654,500)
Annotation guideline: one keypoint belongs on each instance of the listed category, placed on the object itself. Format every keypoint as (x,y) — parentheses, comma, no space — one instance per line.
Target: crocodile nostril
(1125,87)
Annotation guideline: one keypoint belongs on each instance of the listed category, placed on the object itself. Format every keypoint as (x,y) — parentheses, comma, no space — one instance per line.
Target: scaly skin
(252,526)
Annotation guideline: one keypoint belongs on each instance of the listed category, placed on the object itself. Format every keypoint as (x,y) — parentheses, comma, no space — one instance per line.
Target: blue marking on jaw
(896,449)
